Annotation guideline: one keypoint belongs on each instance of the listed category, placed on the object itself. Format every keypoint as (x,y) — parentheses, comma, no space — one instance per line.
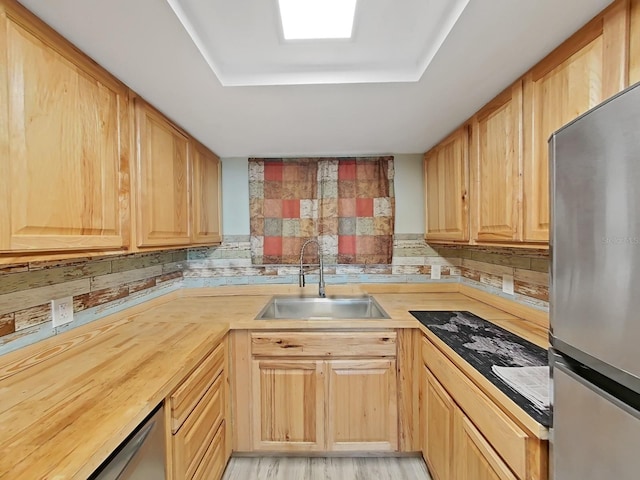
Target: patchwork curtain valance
(348,204)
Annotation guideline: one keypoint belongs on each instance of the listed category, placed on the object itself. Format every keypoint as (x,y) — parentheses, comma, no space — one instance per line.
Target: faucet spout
(301,281)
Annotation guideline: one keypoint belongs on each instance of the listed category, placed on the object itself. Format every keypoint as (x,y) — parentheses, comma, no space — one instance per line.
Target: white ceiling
(145,44)
(391,42)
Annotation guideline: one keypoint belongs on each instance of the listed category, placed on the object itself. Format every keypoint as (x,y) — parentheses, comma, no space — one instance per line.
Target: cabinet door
(436,421)
(446,169)
(193,440)
(581,73)
(362,407)
(162,176)
(289,399)
(206,196)
(496,168)
(64,143)
(475,459)
(634,44)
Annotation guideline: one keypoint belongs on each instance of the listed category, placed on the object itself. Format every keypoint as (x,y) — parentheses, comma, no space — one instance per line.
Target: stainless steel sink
(316,308)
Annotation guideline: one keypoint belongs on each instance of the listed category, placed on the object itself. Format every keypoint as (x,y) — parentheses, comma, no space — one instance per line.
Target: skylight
(317,19)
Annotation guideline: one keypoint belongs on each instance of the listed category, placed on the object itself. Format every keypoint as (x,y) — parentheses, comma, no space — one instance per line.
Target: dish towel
(533,383)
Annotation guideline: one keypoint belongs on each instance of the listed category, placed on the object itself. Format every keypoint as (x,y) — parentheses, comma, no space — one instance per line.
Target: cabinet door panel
(578,75)
(290,395)
(163,180)
(496,166)
(475,459)
(191,442)
(65,125)
(437,427)
(447,184)
(206,196)
(634,44)
(362,409)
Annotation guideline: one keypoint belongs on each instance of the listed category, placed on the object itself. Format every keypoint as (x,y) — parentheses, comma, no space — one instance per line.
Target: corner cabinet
(446,173)
(585,70)
(162,173)
(64,143)
(205,198)
(317,391)
(496,169)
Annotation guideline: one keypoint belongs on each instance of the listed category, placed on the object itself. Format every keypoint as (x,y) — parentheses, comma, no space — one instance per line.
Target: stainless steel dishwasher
(141,456)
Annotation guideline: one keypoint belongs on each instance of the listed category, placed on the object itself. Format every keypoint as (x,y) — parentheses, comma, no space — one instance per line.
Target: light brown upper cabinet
(446,171)
(634,43)
(162,173)
(205,196)
(64,143)
(585,70)
(496,169)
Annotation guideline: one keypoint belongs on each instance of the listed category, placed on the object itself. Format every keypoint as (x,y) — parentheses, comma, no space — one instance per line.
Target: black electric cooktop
(484,344)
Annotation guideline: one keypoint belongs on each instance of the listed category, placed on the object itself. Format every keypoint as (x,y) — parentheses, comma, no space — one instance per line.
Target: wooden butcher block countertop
(66,403)
(62,417)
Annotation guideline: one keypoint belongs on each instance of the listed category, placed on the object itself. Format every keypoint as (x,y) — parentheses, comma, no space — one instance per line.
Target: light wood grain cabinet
(437,426)
(496,169)
(581,73)
(64,143)
(313,392)
(205,198)
(362,406)
(446,174)
(634,42)
(475,458)
(466,435)
(162,172)
(289,396)
(197,411)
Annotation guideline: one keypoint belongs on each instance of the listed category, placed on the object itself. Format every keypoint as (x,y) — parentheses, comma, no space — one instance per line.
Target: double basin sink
(317,308)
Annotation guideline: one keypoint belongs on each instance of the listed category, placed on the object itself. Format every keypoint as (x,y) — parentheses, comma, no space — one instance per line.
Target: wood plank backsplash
(99,287)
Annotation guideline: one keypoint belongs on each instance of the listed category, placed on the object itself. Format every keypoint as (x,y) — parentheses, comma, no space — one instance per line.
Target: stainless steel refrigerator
(595,293)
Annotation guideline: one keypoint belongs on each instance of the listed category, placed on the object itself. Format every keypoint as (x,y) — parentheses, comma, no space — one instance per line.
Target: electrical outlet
(507,284)
(62,311)
(436,270)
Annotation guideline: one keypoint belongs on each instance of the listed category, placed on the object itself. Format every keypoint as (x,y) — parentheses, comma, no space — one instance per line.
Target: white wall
(235,196)
(409,187)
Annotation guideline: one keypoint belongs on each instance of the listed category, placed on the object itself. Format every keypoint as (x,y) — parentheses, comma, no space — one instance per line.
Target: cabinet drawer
(321,344)
(196,434)
(213,463)
(504,435)
(187,396)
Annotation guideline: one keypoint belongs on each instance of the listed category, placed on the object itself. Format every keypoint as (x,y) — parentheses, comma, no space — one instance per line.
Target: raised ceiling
(146,45)
(391,42)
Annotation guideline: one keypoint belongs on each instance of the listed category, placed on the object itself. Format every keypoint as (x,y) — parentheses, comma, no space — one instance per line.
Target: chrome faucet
(301,282)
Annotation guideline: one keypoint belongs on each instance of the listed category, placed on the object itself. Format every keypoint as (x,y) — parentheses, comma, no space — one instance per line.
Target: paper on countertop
(533,383)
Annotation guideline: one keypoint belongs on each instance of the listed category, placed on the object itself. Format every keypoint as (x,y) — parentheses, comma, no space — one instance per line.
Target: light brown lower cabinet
(320,403)
(289,413)
(465,435)
(196,411)
(474,457)
(437,412)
